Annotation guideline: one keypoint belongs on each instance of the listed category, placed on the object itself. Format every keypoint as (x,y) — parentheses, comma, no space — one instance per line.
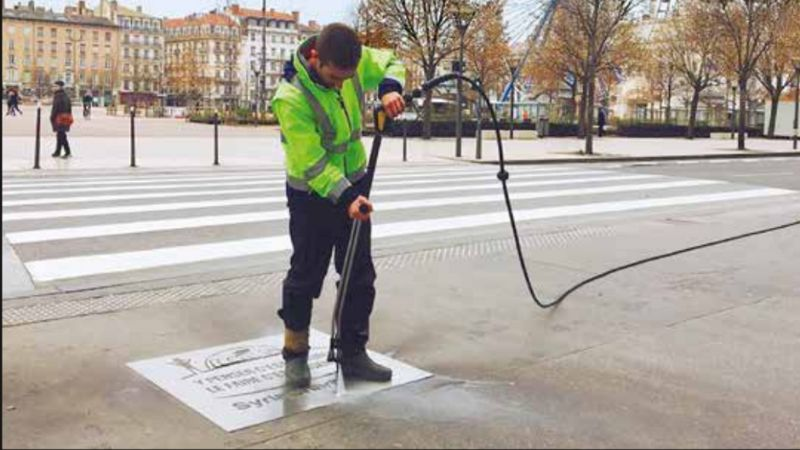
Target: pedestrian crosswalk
(94,226)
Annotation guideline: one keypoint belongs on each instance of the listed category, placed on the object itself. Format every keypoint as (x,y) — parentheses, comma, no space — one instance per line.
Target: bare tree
(599,23)
(423,31)
(689,45)
(775,70)
(746,32)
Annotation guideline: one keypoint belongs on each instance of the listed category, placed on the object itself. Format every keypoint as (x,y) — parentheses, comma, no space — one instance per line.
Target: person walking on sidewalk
(319,106)
(13,103)
(87,104)
(61,119)
(601,122)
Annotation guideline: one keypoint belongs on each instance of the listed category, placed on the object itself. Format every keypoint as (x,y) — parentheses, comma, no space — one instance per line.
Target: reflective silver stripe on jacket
(318,167)
(302,185)
(339,189)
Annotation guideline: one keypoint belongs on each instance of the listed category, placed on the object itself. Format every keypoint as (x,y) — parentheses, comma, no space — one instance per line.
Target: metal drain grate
(266,283)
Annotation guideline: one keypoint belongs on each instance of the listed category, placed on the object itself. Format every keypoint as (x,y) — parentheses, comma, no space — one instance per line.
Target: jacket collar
(303,68)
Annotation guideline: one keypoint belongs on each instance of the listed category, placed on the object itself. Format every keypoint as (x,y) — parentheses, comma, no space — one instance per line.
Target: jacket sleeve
(304,152)
(381,68)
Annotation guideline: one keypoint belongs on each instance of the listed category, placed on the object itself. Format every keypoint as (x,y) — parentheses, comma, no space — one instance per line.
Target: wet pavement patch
(242,384)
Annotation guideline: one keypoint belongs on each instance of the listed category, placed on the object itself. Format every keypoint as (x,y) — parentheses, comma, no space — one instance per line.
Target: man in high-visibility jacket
(319,106)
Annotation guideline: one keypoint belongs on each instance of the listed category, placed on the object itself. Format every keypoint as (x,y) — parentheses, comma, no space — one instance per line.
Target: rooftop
(238,11)
(204,19)
(38,13)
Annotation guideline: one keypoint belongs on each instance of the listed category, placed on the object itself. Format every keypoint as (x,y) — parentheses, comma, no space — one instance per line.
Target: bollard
(405,140)
(216,138)
(133,137)
(38,134)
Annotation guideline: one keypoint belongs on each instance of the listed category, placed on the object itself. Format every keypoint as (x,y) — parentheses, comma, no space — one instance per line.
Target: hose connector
(502,176)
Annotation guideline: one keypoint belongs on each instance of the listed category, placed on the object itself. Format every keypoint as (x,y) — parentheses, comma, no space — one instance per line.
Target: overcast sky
(323,11)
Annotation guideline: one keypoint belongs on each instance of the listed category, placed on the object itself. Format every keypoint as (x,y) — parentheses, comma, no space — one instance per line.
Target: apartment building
(142,39)
(202,54)
(41,46)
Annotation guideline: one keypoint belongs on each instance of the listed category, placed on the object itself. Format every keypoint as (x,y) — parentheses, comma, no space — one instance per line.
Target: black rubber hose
(503,176)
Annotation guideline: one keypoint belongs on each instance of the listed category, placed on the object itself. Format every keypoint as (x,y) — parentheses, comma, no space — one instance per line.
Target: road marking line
(81,266)
(114,229)
(280,182)
(378,192)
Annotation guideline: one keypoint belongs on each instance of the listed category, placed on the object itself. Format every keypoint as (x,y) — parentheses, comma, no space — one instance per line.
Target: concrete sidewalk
(104,143)
(697,351)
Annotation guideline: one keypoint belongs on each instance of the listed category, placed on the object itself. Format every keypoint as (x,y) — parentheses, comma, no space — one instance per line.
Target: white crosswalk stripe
(65,229)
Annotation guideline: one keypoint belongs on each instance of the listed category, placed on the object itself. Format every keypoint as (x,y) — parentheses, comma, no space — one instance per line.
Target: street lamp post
(796,101)
(511,111)
(463,13)
(262,82)
(478,126)
(733,113)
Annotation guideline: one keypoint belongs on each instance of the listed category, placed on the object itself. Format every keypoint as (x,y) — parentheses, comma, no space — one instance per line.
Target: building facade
(141,65)
(282,32)
(202,54)
(41,46)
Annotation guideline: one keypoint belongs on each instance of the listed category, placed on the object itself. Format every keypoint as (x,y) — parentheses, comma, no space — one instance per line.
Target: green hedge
(241,116)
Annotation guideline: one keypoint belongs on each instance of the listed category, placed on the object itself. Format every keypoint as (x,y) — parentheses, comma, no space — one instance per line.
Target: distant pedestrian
(87,104)
(601,122)
(61,119)
(13,103)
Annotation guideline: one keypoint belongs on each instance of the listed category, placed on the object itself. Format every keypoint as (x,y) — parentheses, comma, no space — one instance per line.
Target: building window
(108,36)
(83,35)
(95,35)
(39,31)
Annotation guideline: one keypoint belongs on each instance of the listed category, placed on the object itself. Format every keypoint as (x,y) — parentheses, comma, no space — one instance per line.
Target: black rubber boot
(359,366)
(298,375)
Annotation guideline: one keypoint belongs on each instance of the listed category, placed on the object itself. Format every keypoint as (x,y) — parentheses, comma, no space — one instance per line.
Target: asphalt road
(695,351)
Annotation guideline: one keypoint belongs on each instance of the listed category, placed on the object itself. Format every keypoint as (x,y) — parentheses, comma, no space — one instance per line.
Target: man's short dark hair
(338,45)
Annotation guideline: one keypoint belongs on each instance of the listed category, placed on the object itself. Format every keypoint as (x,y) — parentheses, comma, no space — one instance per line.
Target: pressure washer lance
(335,351)
(503,176)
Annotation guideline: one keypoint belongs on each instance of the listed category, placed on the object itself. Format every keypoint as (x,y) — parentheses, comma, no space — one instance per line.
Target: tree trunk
(742,112)
(430,72)
(582,111)
(573,103)
(589,148)
(669,99)
(775,99)
(693,112)
(427,112)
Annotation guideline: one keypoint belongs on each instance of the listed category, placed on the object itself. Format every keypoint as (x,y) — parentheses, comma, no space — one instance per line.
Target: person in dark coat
(601,122)
(61,119)
(87,104)
(13,103)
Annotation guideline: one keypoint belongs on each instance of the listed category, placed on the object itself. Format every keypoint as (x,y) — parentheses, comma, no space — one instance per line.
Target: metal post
(511,114)
(216,138)
(459,87)
(796,105)
(405,140)
(263,82)
(133,137)
(733,114)
(38,134)
(479,130)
